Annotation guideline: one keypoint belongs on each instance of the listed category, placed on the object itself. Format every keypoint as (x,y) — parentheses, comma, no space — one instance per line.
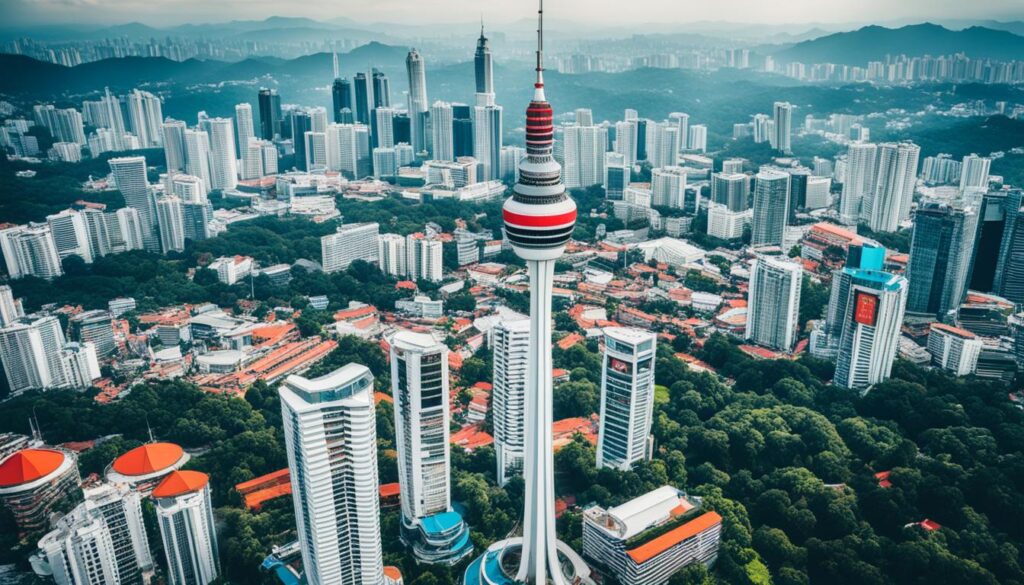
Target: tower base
(500,562)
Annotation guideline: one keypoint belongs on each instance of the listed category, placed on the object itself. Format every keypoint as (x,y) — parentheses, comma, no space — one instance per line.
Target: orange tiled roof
(178,483)
(148,458)
(29,465)
(655,547)
(388,490)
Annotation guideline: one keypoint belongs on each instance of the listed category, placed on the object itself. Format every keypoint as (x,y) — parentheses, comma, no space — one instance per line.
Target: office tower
(773,302)
(300,122)
(315,147)
(889,203)
(418,104)
(731,190)
(797,190)
(94,327)
(625,142)
(953,349)
(1009,276)
(419,386)
(223,168)
(30,350)
(146,114)
(771,205)
(974,172)
(462,130)
(171,219)
(511,344)
(383,130)
(245,129)
(510,158)
(941,252)
(341,99)
(665,143)
(441,128)
(364,97)
(331,440)
(616,176)
(668,188)
(782,129)
(872,307)
(30,251)
(997,211)
(197,148)
(487,138)
(38,483)
(650,538)
(627,397)
(859,182)
(640,132)
(270,114)
(174,144)
(484,70)
(10,308)
(698,139)
(732,166)
(348,150)
(70,235)
(725,224)
(817,192)
(185,514)
(682,123)
(355,241)
(130,176)
(381,89)
(539,220)
(584,156)
(391,254)
(102,540)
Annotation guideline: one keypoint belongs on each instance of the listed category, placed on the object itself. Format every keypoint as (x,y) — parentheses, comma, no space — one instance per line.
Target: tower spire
(539,84)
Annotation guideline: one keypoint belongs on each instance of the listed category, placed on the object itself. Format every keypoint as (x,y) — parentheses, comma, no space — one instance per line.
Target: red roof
(883,479)
(393,573)
(149,458)
(29,465)
(655,547)
(178,483)
(389,490)
(929,525)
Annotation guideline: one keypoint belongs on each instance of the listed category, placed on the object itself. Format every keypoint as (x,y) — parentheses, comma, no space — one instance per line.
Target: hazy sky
(170,12)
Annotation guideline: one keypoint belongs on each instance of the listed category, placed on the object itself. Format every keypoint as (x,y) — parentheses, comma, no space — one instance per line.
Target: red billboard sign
(865,308)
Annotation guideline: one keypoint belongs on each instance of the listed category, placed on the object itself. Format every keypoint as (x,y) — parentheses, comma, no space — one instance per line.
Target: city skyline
(507,13)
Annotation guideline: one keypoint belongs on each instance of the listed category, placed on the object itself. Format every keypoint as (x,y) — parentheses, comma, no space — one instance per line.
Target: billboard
(620,366)
(865,308)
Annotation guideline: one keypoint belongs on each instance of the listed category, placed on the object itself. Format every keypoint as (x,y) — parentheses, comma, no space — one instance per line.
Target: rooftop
(29,465)
(148,458)
(655,547)
(179,483)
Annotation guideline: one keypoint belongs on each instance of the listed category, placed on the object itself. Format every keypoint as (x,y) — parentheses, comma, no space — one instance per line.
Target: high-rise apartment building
(175,151)
(859,182)
(30,350)
(584,155)
(95,327)
(888,203)
(10,307)
(419,385)
(70,235)
(954,349)
(424,258)
(698,139)
(773,302)
(331,440)
(356,241)
(130,177)
(731,190)
(245,128)
(30,251)
(171,218)
(871,312)
(511,340)
(348,150)
(627,397)
(146,114)
(184,511)
(771,208)
(223,168)
(391,254)
(668,188)
(441,129)
(782,130)
(37,484)
(974,172)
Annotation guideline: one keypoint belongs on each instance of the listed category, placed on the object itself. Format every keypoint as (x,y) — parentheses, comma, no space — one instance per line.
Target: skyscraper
(731,190)
(331,440)
(418,103)
(423,258)
(70,235)
(940,258)
(889,202)
(348,150)
(539,221)
(487,130)
(419,385)
(782,129)
(391,254)
(668,188)
(30,251)
(584,155)
(130,176)
(270,114)
(185,514)
(341,100)
(771,207)
(381,89)
(627,397)
(462,130)
(171,219)
(441,129)
(364,97)
(861,169)
(146,115)
(1009,276)
(383,130)
(244,128)
(616,176)
(870,308)
(682,122)
(483,69)
(10,308)
(223,158)
(625,142)
(300,122)
(174,144)
(773,302)
(30,351)
(197,160)
(508,398)
(974,172)
(698,139)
